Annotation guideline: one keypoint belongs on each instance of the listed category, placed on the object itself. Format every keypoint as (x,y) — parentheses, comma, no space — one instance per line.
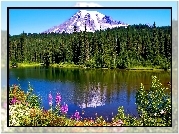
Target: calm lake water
(99,91)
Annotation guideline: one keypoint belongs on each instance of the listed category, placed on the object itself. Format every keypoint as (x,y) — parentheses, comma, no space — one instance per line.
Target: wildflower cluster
(64,108)
(76,116)
(58,99)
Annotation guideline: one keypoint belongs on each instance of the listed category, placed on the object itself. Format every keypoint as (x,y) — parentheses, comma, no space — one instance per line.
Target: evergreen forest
(134,46)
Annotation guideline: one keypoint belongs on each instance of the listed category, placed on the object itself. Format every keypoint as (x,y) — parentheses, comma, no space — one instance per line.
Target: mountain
(93,20)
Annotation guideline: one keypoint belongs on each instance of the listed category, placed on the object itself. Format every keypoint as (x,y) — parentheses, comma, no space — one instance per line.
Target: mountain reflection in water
(91,90)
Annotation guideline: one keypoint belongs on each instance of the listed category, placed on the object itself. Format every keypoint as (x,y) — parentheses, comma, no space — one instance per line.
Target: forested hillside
(135,46)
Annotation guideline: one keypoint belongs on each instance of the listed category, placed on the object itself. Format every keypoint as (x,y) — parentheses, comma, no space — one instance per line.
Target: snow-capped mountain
(93,20)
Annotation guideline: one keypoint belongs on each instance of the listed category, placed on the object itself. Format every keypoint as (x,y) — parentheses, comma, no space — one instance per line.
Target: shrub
(154,106)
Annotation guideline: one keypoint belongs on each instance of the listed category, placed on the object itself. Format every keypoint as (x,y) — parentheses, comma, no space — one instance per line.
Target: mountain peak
(93,20)
(84,12)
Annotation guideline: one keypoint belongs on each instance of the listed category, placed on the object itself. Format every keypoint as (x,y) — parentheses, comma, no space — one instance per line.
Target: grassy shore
(136,68)
(67,65)
(28,65)
(24,65)
(149,68)
(70,65)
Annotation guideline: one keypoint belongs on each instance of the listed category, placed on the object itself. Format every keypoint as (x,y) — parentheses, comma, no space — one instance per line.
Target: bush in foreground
(154,108)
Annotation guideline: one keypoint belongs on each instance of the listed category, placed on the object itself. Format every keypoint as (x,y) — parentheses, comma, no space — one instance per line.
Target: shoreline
(72,66)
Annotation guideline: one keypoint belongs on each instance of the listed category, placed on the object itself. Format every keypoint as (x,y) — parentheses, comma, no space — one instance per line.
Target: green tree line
(136,45)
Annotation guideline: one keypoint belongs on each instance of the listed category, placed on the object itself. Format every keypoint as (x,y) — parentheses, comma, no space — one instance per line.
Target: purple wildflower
(50,99)
(77,115)
(14,100)
(64,108)
(58,99)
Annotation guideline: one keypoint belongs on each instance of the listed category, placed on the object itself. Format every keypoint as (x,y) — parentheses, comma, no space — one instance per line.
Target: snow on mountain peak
(93,21)
(92,13)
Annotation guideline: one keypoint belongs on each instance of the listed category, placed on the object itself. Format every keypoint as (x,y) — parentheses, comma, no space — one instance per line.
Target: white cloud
(85,4)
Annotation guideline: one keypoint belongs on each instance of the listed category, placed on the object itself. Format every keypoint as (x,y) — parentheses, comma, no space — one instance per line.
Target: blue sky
(35,21)
(39,20)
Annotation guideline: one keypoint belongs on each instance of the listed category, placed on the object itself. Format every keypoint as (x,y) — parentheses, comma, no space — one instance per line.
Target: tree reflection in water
(99,91)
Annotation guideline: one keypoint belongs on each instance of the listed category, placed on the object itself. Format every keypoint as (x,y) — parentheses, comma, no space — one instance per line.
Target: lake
(99,91)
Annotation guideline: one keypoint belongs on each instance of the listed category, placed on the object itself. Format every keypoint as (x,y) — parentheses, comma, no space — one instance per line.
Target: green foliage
(154,106)
(137,45)
(33,100)
(24,98)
